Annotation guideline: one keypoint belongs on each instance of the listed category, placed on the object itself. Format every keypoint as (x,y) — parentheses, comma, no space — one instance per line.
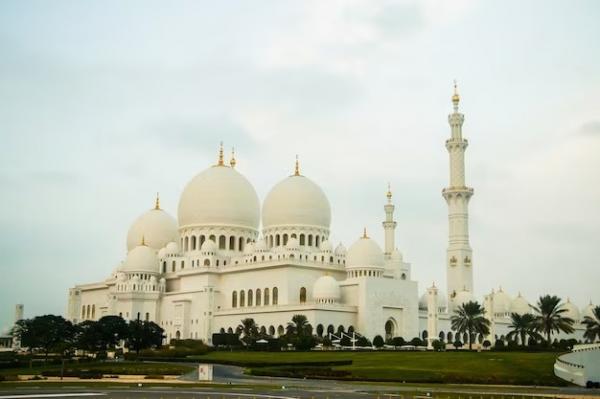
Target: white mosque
(217,264)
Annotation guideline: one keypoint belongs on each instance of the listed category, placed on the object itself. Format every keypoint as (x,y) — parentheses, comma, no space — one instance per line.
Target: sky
(104,103)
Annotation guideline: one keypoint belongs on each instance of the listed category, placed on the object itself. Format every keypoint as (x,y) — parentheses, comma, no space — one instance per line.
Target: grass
(128,368)
(505,368)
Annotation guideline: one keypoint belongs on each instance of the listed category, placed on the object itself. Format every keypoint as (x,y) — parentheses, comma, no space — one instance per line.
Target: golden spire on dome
(365,233)
(220,163)
(232,161)
(297,168)
(455,96)
(157,202)
(389,193)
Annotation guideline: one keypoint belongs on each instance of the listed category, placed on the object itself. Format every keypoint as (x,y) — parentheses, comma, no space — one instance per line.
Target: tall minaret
(459,254)
(389,226)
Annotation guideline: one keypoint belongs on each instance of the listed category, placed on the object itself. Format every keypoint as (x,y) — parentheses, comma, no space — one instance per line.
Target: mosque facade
(225,259)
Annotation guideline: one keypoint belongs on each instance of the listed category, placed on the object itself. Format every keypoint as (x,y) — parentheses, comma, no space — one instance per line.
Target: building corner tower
(459,264)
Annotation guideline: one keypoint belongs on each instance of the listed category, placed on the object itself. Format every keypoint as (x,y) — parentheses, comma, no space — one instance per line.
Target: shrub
(154,377)
(378,341)
(398,341)
(457,344)
(326,342)
(499,345)
(345,341)
(438,345)
(362,341)
(305,343)
(416,341)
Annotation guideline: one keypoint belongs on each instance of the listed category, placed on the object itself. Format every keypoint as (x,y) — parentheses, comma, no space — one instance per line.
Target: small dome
(502,302)
(364,253)
(293,244)
(162,253)
(296,201)
(463,297)
(572,311)
(155,227)
(340,250)
(141,259)
(588,311)
(261,246)
(162,281)
(209,246)
(219,196)
(520,306)
(152,279)
(121,276)
(172,248)
(326,246)
(326,288)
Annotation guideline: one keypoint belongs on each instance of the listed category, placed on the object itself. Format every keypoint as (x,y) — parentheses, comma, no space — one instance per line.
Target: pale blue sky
(104,103)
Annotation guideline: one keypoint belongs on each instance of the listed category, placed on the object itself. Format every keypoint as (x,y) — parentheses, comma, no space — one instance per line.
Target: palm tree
(299,326)
(248,328)
(549,317)
(522,326)
(469,318)
(592,325)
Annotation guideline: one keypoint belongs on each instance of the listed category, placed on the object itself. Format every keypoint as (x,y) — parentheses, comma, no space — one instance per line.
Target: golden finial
(232,161)
(143,241)
(220,163)
(297,168)
(365,233)
(455,96)
(389,193)
(157,202)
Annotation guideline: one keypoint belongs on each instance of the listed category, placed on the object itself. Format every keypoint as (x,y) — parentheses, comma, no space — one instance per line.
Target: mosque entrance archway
(390,329)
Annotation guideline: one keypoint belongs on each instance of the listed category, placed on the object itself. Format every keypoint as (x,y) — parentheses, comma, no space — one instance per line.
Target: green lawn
(129,368)
(444,367)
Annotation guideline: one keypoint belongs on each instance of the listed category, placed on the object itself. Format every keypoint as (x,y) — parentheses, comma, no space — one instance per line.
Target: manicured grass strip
(127,368)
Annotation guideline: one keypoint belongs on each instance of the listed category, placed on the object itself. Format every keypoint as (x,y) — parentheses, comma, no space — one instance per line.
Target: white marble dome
(463,297)
(219,196)
(141,259)
(364,253)
(327,289)
(572,311)
(520,305)
(156,227)
(296,201)
(340,250)
(588,311)
(502,302)
(172,248)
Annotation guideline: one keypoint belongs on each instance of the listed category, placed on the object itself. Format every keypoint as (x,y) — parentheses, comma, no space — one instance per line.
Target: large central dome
(296,201)
(219,196)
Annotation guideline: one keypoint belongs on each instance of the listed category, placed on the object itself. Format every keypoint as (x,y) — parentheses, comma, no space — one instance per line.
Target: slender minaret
(389,226)
(459,254)
(432,315)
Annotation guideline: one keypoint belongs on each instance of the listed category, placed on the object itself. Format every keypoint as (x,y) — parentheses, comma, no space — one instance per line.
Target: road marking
(51,395)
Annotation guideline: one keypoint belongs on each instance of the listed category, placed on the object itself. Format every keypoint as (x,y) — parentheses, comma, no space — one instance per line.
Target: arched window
(320,330)
(302,240)
(173,266)
(442,336)
(164,267)
(340,329)
(331,259)
(266,301)
(317,241)
(302,295)
(83,311)
(193,243)
(202,239)
(138,316)
(93,312)
(241,244)
(277,240)
(350,329)
(232,243)
(242,298)
(403,276)
(280,330)
(310,240)
(330,329)
(182,264)
(178,335)
(263,330)
(206,262)
(275,294)
(250,298)
(270,241)
(186,245)
(285,239)
(147,316)
(271,330)
(424,334)
(234,299)
(258,298)
(222,242)
(212,238)
(230,330)
(450,337)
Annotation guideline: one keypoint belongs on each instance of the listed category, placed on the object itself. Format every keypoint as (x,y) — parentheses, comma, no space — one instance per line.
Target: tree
(549,317)
(88,336)
(143,335)
(592,325)
(299,326)
(378,341)
(438,345)
(113,329)
(469,318)
(522,326)
(249,330)
(47,333)
(457,344)
(398,341)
